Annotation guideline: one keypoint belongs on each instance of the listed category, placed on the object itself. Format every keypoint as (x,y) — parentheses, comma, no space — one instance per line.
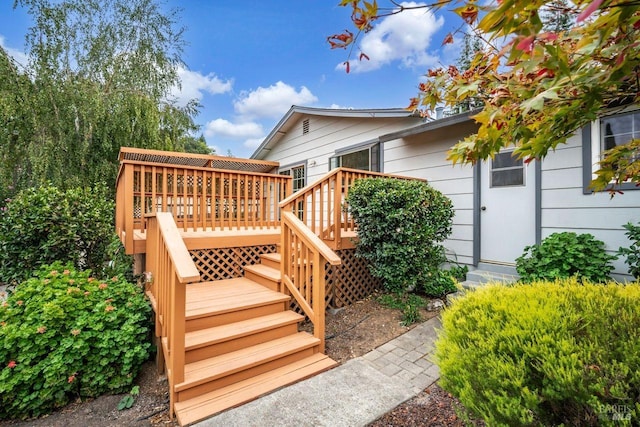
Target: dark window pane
(620,129)
(357,160)
(375,158)
(505,160)
(508,177)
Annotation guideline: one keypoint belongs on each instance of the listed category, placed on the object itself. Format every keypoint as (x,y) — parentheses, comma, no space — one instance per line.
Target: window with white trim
(613,130)
(367,158)
(298,173)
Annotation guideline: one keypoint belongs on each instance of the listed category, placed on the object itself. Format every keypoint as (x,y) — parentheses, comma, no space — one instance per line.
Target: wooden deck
(208,238)
(191,219)
(224,238)
(241,342)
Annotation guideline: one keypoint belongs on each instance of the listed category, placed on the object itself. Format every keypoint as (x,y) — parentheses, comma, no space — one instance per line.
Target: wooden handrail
(171,268)
(322,206)
(198,197)
(302,269)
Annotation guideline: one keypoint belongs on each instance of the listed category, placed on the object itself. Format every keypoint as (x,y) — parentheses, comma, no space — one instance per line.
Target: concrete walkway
(352,394)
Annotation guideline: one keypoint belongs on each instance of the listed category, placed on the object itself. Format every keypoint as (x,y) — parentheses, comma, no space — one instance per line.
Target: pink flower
(54,273)
(12,364)
(75,332)
(19,302)
(46,281)
(103,286)
(86,293)
(91,279)
(42,329)
(72,378)
(109,308)
(71,281)
(66,272)
(114,279)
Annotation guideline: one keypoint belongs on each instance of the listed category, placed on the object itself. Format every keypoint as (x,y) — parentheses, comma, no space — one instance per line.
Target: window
(506,170)
(605,133)
(367,159)
(298,174)
(619,129)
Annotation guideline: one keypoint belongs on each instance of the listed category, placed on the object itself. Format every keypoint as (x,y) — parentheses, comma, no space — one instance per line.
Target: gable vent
(305,126)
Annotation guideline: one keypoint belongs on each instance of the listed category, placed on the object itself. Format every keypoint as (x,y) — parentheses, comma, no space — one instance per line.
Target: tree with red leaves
(538,84)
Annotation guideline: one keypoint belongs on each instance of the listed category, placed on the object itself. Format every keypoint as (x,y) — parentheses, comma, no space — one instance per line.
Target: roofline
(330,112)
(429,126)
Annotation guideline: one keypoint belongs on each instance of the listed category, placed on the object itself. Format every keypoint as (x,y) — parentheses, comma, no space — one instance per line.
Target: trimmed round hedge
(545,353)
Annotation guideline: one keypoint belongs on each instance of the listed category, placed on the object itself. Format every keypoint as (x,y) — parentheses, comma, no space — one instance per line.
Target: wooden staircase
(241,342)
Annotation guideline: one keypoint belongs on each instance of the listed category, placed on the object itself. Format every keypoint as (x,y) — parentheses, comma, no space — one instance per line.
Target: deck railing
(171,269)
(198,197)
(322,206)
(303,276)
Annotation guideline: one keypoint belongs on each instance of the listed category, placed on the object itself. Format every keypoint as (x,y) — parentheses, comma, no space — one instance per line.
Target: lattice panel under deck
(350,281)
(227,263)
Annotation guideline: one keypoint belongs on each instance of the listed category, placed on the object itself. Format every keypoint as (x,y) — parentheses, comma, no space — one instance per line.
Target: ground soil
(351,332)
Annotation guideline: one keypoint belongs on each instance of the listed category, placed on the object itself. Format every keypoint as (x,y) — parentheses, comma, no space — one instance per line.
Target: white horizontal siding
(425,156)
(564,207)
(326,136)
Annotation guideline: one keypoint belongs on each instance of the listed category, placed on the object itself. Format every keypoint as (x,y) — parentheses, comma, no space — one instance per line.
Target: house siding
(564,207)
(425,156)
(326,136)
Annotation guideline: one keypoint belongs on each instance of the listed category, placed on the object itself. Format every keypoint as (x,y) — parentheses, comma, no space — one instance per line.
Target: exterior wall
(425,156)
(326,136)
(564,207)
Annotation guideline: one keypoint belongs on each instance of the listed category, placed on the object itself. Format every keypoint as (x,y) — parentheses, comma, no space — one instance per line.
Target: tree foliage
(99,77)
(548,68)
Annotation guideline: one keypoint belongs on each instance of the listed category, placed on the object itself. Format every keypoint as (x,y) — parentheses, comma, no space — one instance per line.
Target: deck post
(128,208)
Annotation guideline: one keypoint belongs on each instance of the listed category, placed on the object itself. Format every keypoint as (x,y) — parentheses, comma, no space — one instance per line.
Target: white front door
(507,208)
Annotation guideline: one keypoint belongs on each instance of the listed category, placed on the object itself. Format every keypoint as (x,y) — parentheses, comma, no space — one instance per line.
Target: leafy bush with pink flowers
(64,335)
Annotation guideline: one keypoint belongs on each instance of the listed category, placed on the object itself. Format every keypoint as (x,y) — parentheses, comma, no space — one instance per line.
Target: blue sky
(248,61)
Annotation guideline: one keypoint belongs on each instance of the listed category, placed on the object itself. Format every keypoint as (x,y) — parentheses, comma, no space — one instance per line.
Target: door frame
(477,203)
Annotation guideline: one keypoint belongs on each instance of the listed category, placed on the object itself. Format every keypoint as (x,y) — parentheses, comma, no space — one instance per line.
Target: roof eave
(295,110)
(429,126)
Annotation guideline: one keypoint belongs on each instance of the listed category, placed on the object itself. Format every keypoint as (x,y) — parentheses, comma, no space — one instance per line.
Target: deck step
(217,340)
(271,260)
(220,371)
(265,275)
(234,300)
(206,405)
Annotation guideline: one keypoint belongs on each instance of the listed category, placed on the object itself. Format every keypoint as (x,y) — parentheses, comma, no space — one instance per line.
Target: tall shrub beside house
(401,227)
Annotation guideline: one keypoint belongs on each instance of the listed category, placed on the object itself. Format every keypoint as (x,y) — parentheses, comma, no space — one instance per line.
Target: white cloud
(253,143)
(19,56)
(403,37)
(194,84)
(272,101)
(225,129)
(339,107)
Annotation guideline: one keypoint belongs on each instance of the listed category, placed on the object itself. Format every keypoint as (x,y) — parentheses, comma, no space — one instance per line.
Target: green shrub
(401,224)
(544,353)
(563,255)
(632,253)
(409,304)
(43,225)
(65,335)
